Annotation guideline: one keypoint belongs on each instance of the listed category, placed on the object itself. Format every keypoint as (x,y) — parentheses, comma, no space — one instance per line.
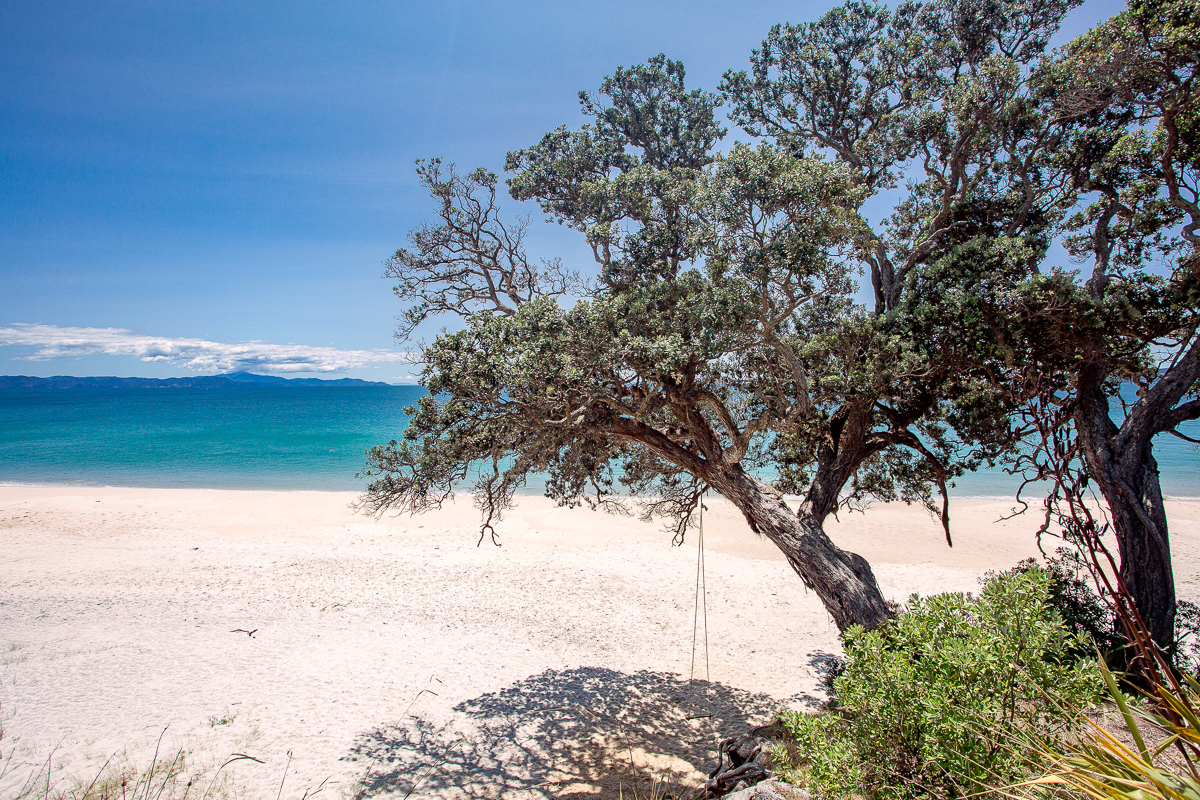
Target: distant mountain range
(232,380)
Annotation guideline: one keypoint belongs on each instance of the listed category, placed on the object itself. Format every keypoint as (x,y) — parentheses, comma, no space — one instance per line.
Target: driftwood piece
(740,760)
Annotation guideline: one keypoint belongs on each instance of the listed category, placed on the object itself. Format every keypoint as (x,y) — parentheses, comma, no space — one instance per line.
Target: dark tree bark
(1121,462)
(842,580)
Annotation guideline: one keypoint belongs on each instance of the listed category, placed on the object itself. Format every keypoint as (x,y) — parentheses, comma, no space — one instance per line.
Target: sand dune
(387,652)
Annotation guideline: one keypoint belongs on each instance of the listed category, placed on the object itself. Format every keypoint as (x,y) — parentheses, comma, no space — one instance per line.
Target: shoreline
(378,643)
(533,493)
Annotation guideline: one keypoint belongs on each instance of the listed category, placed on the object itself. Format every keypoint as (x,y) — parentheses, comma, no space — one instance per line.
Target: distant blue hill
(232,380)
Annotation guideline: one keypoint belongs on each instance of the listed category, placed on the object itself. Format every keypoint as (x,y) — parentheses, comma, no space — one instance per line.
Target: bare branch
(470,260)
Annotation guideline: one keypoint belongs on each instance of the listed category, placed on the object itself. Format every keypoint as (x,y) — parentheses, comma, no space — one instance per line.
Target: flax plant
(1161,759)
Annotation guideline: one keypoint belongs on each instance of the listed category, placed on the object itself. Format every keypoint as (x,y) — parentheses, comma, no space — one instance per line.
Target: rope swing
(700,614)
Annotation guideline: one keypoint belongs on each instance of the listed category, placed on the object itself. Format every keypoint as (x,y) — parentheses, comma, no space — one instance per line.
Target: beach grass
(168,774)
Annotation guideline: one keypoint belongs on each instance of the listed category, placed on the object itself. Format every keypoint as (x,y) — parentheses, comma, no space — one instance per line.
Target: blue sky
(220,182)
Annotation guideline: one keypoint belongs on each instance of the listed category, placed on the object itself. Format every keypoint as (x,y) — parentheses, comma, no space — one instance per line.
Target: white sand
(395,651)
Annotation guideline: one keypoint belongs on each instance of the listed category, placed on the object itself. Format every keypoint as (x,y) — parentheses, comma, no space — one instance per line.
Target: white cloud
(199,355)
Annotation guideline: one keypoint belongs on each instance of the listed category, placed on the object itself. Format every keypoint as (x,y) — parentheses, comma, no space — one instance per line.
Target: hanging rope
(701,605)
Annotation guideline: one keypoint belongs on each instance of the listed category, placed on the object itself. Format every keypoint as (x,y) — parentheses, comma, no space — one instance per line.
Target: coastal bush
(936,701)
(1073,595)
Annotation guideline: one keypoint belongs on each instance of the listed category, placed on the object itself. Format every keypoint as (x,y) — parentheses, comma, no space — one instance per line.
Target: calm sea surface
(243,438)
(281,438)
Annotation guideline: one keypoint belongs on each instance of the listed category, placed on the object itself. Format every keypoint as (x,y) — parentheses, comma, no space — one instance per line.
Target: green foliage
(722,334)
(1125,99)
(1073,595)
(933,702)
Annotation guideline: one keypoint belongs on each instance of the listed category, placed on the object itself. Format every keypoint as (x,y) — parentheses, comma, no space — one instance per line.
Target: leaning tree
(721,345)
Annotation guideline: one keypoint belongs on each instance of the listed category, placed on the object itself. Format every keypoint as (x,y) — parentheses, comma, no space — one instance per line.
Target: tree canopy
(1117,353)
(721,345)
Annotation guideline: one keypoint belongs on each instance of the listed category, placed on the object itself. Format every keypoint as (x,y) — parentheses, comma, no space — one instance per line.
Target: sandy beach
(357,657)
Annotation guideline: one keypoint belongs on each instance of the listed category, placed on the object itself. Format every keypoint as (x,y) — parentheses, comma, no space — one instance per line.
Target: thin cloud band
(198,355)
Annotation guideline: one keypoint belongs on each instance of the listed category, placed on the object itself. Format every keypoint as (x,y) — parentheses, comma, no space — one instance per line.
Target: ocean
(298,438)
(239,438)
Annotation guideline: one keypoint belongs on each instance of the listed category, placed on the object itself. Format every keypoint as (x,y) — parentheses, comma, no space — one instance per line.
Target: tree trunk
(1128,479)
(842,580)
(1140,523)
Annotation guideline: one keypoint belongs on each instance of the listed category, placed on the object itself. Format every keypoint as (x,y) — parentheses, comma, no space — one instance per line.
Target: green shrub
(934,702)
(1073,594)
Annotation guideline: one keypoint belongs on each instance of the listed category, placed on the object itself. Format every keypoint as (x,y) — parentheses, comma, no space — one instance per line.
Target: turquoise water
(252,438)
(283,438)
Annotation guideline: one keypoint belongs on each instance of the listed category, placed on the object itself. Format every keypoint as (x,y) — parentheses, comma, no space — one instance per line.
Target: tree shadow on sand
(826,667)
(583,732)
